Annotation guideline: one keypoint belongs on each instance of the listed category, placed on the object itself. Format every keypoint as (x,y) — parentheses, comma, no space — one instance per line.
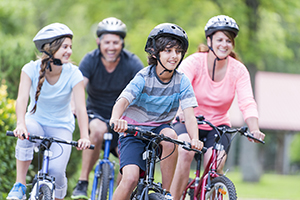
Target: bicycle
(212,185)
(104,173)
(43,185)
(147,189)
(103,183)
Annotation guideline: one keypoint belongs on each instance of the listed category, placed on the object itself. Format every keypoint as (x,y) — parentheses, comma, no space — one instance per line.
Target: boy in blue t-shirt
(151,101)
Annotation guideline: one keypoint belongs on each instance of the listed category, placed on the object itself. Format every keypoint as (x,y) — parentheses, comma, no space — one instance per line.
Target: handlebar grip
(74,143)
(261,141)
(10,133)
(249,135)
(204,149)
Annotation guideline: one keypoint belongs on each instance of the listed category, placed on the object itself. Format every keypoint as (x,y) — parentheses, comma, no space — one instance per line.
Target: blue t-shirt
(153,102)
(53,105)
(103,87)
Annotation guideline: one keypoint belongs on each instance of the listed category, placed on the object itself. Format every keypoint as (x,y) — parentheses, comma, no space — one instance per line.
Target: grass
(271,186)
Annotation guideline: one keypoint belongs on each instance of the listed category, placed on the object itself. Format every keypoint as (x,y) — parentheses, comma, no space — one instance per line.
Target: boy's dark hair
(161,44)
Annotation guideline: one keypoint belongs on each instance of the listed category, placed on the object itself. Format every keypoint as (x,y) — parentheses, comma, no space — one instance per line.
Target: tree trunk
(249,162)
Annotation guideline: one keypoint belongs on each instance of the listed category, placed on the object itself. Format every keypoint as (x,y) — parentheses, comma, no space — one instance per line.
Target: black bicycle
(147,189)
(43,185)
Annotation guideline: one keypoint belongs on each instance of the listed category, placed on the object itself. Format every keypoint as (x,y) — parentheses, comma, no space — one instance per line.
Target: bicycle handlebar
(132,130)
(242,130)
(31,137)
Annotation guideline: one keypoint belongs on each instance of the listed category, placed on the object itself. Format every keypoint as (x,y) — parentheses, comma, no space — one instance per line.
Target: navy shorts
(114,143)
(131,149)
(206,136)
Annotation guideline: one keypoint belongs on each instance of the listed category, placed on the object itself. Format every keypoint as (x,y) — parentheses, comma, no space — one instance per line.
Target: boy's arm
(120,106)
(192,128)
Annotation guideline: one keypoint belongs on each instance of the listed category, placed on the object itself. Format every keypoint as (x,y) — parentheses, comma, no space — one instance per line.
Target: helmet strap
(165,69)
(216,59)
(54,60)
(158,58)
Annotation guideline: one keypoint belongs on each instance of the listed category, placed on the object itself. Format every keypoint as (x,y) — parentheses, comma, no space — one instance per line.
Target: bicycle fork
(42,178)
(98,168)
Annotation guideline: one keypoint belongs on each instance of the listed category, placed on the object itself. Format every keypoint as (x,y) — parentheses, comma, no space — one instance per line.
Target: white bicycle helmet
(221,23)
(50,33)
(112,25)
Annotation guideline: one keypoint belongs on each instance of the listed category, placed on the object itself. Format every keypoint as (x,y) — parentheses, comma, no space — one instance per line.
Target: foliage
(295,149)
(7,144)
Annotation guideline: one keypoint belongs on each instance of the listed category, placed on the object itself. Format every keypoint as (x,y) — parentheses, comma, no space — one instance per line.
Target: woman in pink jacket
(216,75)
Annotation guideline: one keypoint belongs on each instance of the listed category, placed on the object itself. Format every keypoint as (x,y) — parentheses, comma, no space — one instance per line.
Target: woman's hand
(21,132)
(257,134)
(196,144)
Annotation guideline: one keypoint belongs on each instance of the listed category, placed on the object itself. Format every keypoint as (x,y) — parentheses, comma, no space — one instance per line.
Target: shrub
(7,144)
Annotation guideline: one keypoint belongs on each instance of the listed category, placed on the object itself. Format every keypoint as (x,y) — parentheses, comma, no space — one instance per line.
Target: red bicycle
(212,185)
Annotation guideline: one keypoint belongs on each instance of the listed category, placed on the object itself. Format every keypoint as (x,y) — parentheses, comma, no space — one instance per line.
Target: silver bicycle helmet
(167,29)
(221,23)
(50,33)
(112,25)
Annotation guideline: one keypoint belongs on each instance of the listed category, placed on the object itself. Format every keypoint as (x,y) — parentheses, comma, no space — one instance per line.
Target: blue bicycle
(44,184)
(104,174)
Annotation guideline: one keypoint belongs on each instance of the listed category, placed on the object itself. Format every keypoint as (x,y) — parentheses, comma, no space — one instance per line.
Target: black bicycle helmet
(167,29)
(50,33)
(221,23)
(112,25)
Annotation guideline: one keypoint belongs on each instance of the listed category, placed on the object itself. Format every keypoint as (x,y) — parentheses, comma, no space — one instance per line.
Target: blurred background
(268,44)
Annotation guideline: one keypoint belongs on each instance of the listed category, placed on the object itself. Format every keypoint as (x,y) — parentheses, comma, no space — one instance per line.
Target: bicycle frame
(150,155)
(202,184)
(42,177)
(148,181)
(98,169)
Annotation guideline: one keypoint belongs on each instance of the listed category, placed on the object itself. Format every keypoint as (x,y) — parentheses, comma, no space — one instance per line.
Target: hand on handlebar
(83,143)
(21,132)
(119,125)
(257,134)
(196,144)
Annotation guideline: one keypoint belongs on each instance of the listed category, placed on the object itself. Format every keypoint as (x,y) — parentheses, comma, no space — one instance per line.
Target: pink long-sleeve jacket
(215,98)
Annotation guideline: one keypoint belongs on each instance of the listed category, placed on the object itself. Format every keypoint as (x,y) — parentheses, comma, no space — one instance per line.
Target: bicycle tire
(223,188)
(45,193)
(103,182)
(156,196)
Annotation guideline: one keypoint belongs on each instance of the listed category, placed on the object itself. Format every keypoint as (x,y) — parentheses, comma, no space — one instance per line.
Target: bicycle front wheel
(44,193)
(103,183)
(222,189)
